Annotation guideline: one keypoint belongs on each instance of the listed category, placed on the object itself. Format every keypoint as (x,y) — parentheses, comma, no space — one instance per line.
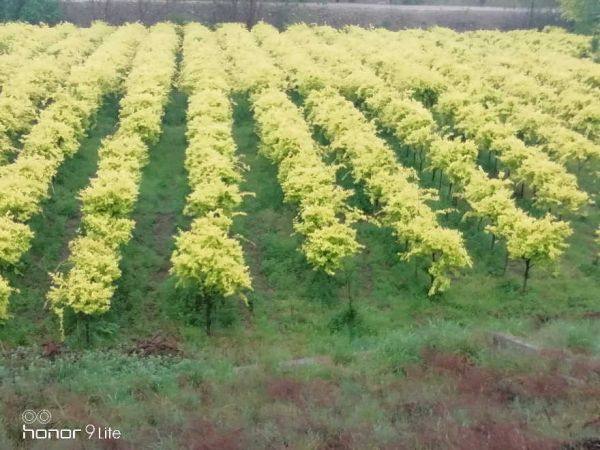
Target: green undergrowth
(383,397)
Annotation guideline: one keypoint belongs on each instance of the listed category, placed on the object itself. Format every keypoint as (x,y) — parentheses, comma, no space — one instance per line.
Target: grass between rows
(289,297)
(297,312)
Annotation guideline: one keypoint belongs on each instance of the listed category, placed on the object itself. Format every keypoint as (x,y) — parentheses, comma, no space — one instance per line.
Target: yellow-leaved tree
(536,241)
(109,199)
(210,261)
(206,257)
(15,239)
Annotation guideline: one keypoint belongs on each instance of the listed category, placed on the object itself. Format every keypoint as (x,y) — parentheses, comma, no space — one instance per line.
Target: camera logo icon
(30,416)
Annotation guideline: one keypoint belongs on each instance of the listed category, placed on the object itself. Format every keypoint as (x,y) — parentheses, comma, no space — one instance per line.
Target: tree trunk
(349,294)
(493,242)
(208,314)
(521,190)
(530,19)
(431,277)
(107,8)
(251,13)
(526,274)
(140,7)
(233,12)
(87,330)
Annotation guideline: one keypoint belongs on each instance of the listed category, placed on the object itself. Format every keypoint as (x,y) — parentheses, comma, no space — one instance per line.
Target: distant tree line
(584,13)
(33,11)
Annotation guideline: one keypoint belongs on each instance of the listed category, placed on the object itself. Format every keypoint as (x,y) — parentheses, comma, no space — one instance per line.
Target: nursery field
(313,238)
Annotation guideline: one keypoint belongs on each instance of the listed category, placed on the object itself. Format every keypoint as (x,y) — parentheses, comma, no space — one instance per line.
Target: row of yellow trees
(26,182)
(108,202)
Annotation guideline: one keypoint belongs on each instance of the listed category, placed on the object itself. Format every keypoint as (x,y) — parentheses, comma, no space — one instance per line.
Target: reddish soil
(202,434)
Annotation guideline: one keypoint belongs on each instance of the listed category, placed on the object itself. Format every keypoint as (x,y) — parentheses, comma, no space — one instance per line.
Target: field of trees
(315,238)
